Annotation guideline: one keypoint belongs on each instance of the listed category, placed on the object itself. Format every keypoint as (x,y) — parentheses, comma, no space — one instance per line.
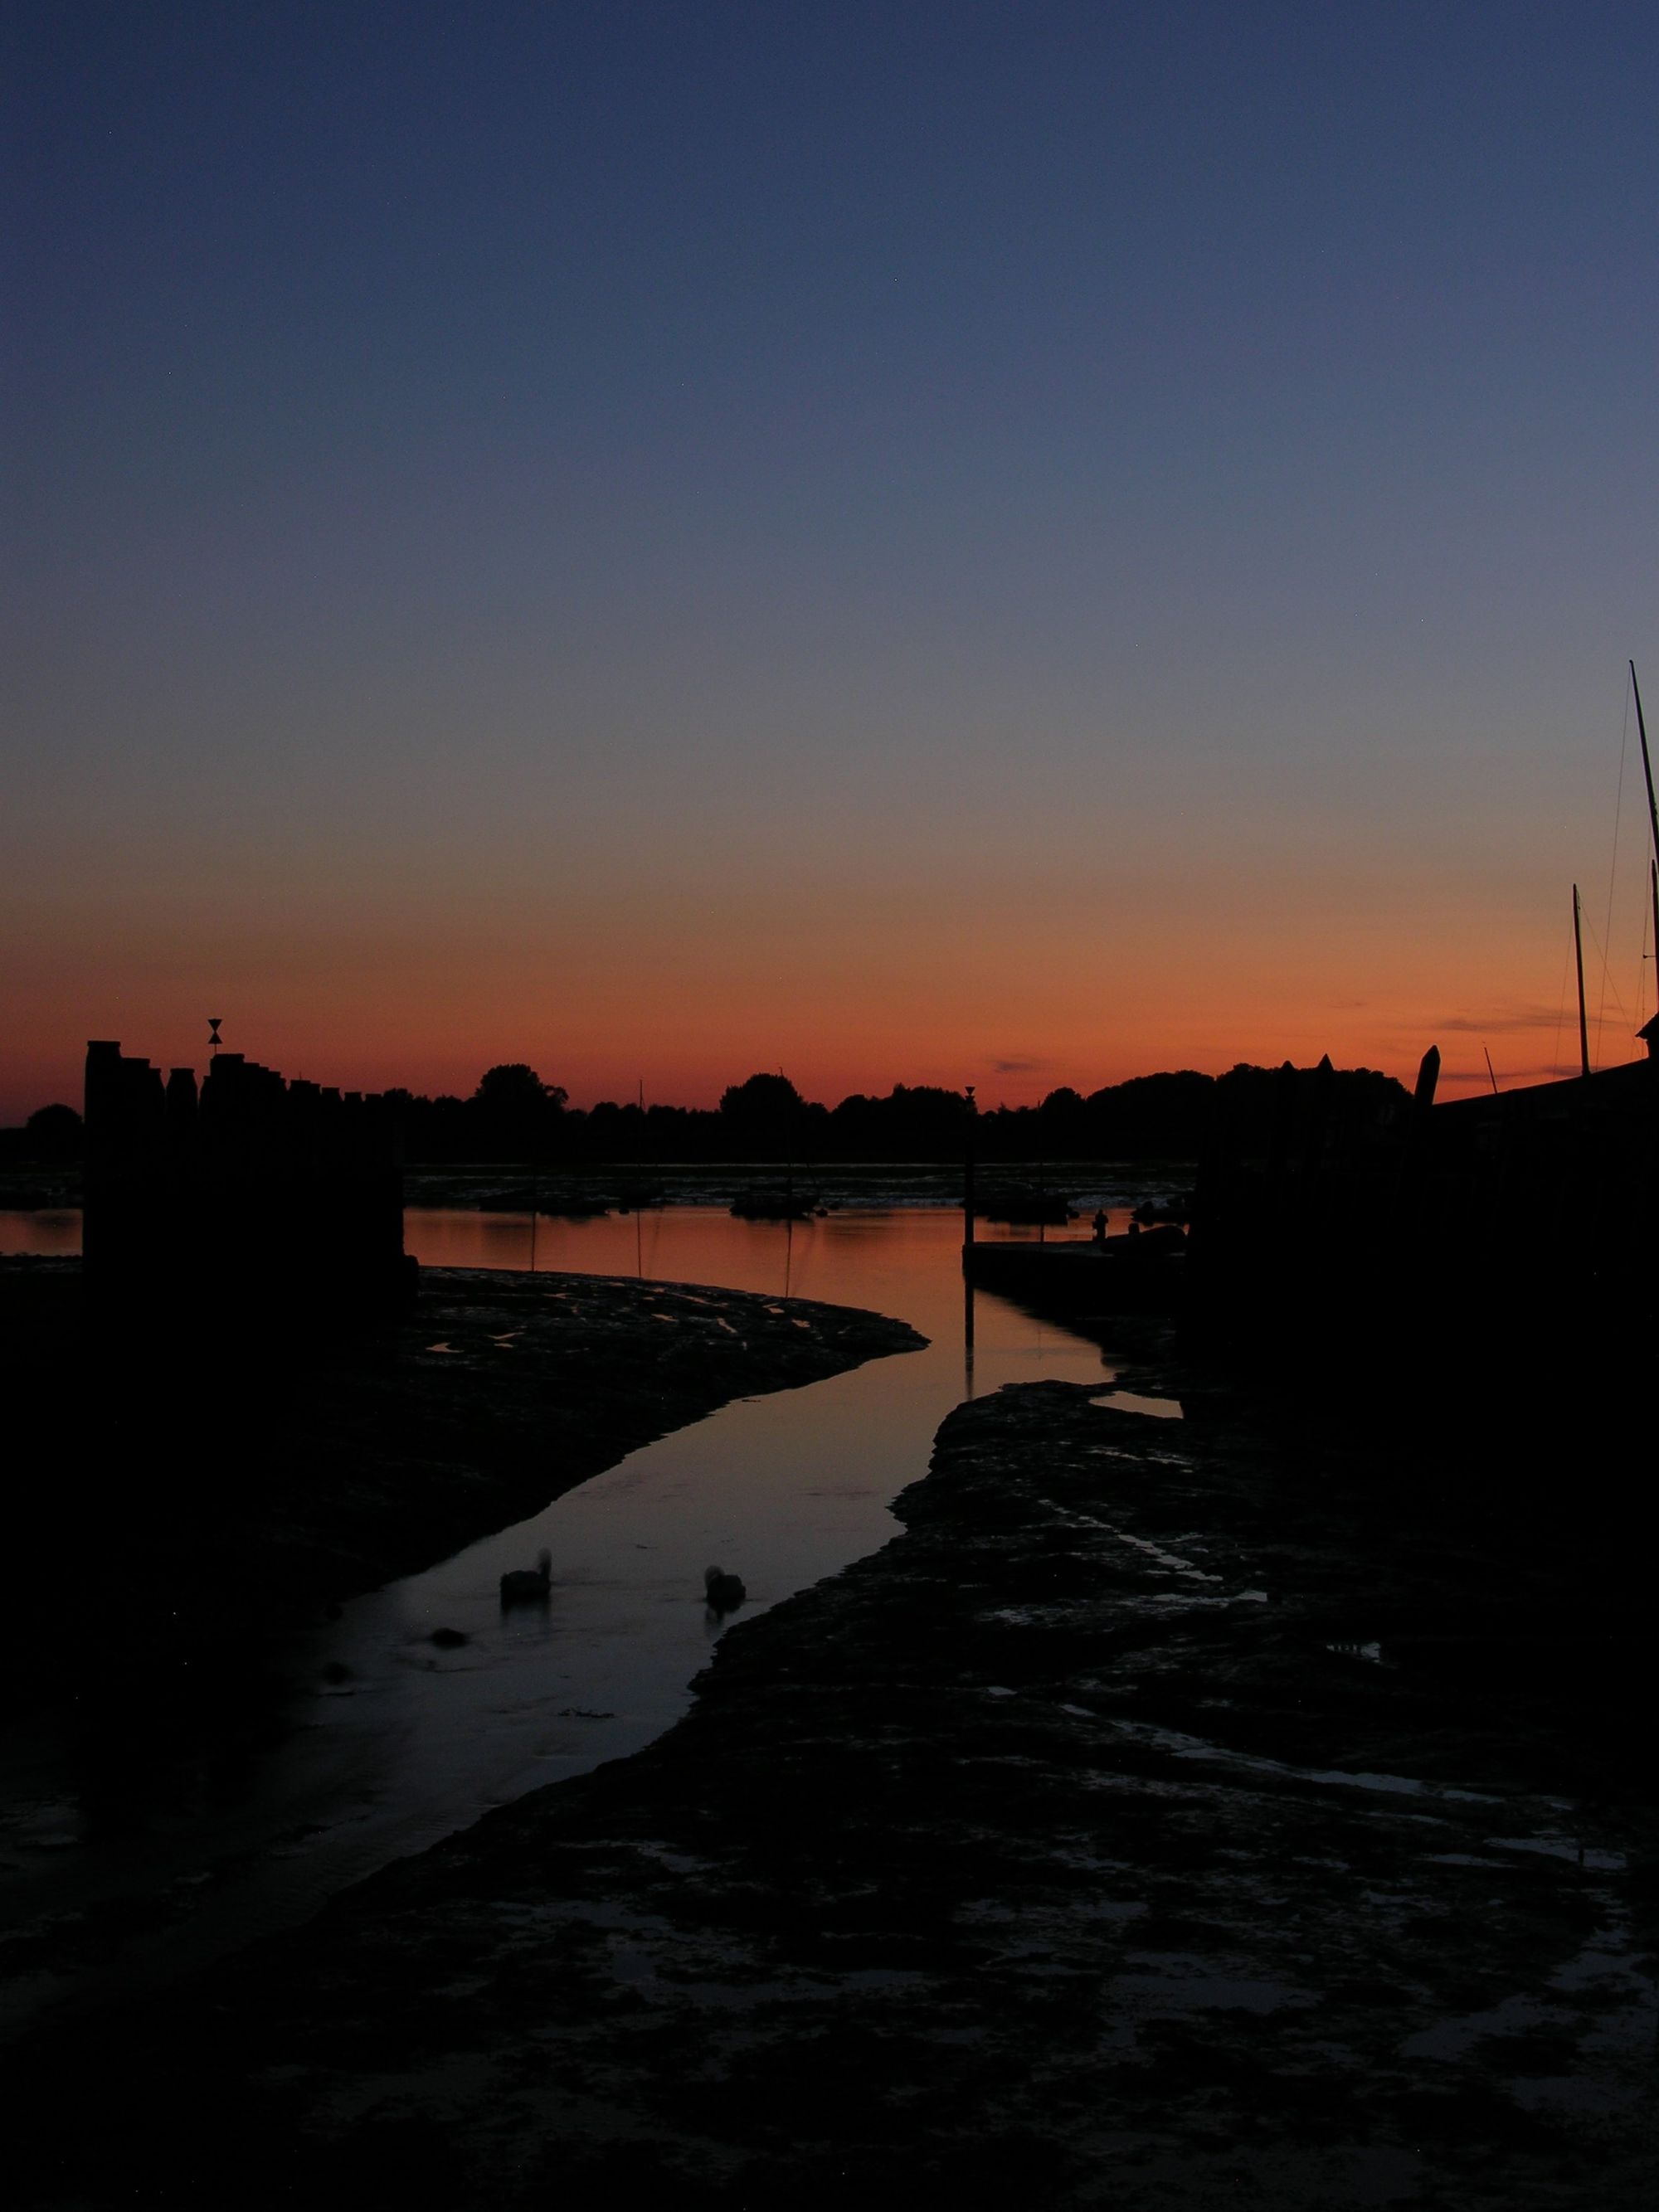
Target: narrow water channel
(389,1743)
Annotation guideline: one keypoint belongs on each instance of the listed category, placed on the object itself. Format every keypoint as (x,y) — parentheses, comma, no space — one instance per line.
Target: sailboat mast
(1647,761)
(1653,824)
(1578,955)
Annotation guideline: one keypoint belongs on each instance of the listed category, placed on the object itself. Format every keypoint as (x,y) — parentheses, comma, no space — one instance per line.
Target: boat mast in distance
(1647,761)
(1578,955)
(1653,825)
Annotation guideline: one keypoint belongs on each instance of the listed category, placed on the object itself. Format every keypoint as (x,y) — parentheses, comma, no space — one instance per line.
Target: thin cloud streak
(1523,1017)
(1508,1078)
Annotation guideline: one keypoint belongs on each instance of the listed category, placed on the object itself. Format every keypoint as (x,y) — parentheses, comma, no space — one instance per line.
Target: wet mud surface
(172,1790)
(202,1498)
(505,1389)
(1089,1844)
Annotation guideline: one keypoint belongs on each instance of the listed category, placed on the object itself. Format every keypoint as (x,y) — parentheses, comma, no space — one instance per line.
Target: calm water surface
(390,1743)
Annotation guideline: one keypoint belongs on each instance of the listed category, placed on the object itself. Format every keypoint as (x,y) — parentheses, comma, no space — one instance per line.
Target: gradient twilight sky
(1023,542)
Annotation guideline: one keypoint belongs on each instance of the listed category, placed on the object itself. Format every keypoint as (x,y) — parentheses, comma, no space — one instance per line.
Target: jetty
(1139,1273)
(1486,1221)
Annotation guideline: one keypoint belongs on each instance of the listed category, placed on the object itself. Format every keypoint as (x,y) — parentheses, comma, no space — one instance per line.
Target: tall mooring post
(967,1178)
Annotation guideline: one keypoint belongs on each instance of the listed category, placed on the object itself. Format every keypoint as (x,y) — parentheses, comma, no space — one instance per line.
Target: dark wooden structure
(1145,1273)
(1495,1219)
(246,1198)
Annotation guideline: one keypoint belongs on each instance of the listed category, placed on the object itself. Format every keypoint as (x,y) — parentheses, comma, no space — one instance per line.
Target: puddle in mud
(1134,1401)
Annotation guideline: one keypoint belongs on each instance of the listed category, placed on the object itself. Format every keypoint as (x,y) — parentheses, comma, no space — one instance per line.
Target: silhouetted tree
(615,1132)
(514,1088)
(759,1096)
(764,1116)
(515,1114)
(915,1122)
(53,1133)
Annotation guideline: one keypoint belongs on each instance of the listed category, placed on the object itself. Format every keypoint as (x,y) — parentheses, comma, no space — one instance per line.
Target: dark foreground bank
(1083,1847)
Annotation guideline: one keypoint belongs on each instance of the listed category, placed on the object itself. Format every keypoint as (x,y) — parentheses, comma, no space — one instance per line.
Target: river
(386,1744)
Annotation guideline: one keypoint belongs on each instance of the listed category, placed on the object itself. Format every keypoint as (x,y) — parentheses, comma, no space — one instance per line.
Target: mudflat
(195,1494)
(1066,1850)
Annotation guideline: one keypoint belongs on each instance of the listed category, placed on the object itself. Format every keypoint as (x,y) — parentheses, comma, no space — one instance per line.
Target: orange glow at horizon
(1001,931)
(1086,982)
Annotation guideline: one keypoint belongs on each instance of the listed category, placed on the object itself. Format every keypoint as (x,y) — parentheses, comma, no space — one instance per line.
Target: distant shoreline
(491,1185)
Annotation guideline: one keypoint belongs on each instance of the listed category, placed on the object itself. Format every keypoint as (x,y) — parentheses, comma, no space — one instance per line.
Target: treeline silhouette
(514,1116)
(53,1136)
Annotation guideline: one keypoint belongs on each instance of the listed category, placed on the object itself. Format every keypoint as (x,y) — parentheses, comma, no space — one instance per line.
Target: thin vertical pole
(1647,763)
(535,1196)
(1491,1071)
(1043,1179)
(1578,955)
(967,1178)
(789,1170)
(1653,824)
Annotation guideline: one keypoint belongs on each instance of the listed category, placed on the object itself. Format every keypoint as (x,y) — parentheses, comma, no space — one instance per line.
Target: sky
(1014,543)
